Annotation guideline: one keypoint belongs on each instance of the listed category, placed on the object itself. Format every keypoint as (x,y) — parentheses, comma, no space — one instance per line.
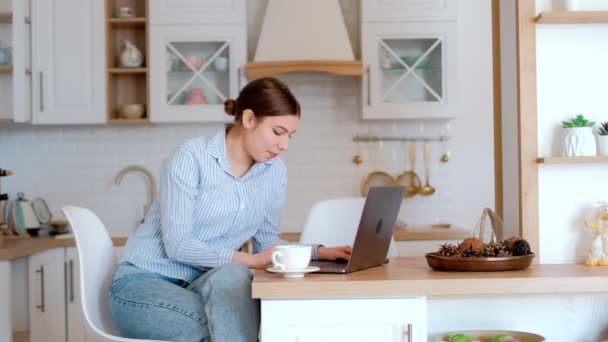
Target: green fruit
(502,337)
(460,338)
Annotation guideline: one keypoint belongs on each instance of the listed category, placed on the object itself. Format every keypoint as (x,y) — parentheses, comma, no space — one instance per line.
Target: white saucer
(293,273)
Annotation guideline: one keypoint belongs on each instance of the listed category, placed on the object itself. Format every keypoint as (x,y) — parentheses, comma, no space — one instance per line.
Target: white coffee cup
(291,257)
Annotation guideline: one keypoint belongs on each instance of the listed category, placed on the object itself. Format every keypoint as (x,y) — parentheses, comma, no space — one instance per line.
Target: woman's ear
(248,119)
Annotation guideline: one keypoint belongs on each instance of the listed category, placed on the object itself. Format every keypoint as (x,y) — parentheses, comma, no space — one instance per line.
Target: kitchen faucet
(151,183)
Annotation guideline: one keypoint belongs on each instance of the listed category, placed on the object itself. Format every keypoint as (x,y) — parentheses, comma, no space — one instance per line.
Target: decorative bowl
(474,264)
(487,335)
(132,111)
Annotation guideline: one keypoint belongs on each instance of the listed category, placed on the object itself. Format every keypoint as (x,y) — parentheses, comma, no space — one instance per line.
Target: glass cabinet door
(197,73)
(194,70)
(409,70)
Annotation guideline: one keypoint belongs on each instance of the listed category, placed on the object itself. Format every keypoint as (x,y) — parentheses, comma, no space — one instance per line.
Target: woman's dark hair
(265,96)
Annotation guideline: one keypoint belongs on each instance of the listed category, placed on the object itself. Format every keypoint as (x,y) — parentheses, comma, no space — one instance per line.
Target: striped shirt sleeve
(179,183)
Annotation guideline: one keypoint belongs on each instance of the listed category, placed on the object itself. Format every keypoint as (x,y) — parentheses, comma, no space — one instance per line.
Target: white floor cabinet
(380,319)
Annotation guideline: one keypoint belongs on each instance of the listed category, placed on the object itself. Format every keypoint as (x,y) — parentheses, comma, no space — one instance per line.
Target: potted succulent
(579,139)
(602,139)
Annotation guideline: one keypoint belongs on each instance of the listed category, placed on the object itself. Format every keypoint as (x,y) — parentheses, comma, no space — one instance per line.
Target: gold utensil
(376,178)
(410,179)
(446,153)
(427,189)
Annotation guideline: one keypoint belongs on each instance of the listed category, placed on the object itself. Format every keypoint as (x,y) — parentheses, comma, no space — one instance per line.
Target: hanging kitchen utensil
(358,158)
(410,179)
(376,178)
(427,189)
(445,157)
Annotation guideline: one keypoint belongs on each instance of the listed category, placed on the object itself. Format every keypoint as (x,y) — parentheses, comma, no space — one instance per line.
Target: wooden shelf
(576,17)
(127,22)
(6,17)
(343,68)
(128,70)
(21,336)
(6,120)
(118,121)
(6,69)
(572,160)
(126,85)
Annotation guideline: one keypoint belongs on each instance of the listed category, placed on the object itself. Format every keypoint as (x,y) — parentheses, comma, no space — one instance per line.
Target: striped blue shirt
(203,214)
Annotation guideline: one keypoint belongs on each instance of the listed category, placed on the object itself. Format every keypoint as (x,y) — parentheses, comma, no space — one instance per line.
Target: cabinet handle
(238,84)
(41,271)
(71,272)
(408,327)
(369,88)
(41,91)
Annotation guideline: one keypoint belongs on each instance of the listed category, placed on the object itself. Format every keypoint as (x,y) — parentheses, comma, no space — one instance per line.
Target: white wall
(77,164)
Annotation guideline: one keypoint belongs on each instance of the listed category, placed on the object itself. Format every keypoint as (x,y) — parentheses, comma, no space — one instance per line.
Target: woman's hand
(258,260)
(334,253)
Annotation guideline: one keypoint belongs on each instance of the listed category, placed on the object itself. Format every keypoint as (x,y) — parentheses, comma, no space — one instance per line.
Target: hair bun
(230,107)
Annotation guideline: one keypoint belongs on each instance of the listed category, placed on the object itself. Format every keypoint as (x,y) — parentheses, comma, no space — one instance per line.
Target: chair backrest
(97,268)
(334,222)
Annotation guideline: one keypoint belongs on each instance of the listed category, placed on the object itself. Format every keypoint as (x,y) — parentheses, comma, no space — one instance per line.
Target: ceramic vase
(579,141)
(602,145)
(131,57)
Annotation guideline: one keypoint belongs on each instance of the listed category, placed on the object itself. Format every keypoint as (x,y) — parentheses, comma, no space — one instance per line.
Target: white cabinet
(47,296)
(193,70)
(15,79)
(196,11)
(77,329)
(404,10)
(390,319)
(68,62)
(409,70)
(55,306)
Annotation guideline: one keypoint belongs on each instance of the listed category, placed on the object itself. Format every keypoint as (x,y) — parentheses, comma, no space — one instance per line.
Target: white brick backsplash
(77,165)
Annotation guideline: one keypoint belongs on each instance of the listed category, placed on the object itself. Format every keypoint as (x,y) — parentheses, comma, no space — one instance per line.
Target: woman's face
(268,136)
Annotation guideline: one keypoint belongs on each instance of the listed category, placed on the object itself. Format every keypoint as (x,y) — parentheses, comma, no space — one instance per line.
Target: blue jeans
(217,306)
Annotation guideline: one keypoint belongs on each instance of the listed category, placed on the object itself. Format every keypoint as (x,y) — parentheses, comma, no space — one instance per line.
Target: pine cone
(521,247)
(512,240)
(471,243)
(448,250)
(472,253)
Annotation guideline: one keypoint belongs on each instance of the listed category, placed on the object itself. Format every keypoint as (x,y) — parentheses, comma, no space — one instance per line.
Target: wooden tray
(472,264)
(487,335)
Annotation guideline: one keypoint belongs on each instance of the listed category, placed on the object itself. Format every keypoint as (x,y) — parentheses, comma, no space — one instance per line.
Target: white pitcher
(131,57)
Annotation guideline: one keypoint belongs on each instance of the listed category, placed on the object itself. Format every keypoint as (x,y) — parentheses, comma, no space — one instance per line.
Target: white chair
(97,268)
(334,222)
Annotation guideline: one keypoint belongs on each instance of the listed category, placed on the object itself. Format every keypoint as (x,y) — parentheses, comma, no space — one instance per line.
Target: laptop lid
(376,227)
(374,232)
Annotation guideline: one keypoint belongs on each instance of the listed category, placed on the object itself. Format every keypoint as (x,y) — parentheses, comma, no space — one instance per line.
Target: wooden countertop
(14,249)
(411,276)
(413,234)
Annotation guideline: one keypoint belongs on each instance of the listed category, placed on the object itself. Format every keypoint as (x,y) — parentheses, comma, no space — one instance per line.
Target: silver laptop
(374,233)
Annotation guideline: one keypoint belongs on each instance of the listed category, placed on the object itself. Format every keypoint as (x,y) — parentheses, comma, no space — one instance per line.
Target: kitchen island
(402,284)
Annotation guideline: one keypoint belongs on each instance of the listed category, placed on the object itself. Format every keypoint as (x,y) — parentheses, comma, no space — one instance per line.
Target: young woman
(182,277)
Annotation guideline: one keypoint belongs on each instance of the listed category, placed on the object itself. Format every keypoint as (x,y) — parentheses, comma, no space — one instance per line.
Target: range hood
(305,35)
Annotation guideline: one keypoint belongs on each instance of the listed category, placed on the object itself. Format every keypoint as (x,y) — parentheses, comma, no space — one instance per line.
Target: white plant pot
(602,145)
(579,141)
